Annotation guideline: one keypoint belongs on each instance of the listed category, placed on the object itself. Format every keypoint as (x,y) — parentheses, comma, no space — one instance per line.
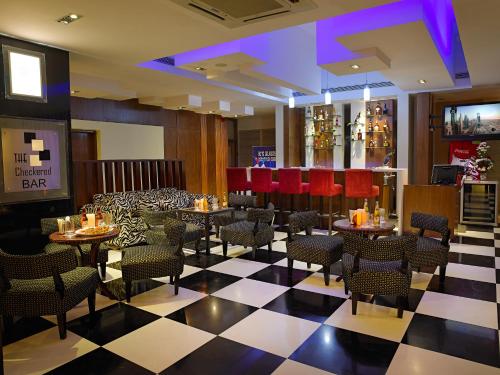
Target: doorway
(84,145)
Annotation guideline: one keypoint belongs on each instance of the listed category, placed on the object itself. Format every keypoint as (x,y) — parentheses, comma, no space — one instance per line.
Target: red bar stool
(290,183)
(359,184)
(237,180)
(262,182)
(321,184)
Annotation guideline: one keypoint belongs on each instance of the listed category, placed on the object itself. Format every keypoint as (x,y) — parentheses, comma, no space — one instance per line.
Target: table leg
(94,252)
(207,233)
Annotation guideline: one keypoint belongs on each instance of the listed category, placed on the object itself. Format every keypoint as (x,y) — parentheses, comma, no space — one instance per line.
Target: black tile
(223,356)
(306,305)
(346,352)
(207,281)
(264,256)
(498,275)
(472,259)
(212,314)
(111,323)
(467,341)
(464,288)
(497,236)
(497,252)
(203,245)
(414,297)
(203,260)
(117,287)
(474,241)
(100,361)
(24,327)
(280,275)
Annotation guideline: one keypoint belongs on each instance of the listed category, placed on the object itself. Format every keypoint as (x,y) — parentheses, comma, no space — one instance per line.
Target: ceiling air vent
(235,13)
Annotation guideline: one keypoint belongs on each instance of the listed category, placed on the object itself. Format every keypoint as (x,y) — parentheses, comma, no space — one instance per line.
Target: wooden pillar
(214,155)
(293,134)
(422,147)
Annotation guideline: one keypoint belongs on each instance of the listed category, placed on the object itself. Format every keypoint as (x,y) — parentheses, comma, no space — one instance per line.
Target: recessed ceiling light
(199,68)
(181,107)
(422,81)
(210,112)
(235,115)
(75,91)
(355,66)
(69,18)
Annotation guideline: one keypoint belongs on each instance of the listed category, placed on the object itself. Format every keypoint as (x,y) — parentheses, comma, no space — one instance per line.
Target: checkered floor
(246,316)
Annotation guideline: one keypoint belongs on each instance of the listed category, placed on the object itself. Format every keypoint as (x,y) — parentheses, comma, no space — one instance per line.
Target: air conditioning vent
(235,13)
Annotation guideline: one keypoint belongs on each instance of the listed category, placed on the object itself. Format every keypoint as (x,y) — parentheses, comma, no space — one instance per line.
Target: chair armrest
(58,282)
(355,266)
(445,239)
(4,282)
(421,232)
(256,227)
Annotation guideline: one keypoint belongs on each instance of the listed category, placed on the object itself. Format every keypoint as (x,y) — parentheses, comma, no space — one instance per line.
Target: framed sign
(472,121)
(33,160)
(264,156)
(24,72)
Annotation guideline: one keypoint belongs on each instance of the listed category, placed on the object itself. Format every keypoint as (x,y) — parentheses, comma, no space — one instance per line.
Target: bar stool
(237,180)
(321,184)
(359,184)
(262,182)
(290,183)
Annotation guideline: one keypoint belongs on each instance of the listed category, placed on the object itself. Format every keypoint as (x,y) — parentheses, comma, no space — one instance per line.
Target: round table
(94,242)
(369,231)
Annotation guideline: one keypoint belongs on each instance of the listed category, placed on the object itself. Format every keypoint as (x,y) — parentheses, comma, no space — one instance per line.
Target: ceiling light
(200,68)
(291,102)
(181,107)
(328,97)
(235,115)
(210,112)
(422,81)
(366,93)
(69,18)
(75,91)
(355,66)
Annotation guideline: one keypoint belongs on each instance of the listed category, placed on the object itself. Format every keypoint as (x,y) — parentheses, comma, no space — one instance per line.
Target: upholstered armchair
(49,225)
(430,251)
(254,232)
(311,248)
(378,267)
(45,284)
(157,232)
(149,261)
(240,203)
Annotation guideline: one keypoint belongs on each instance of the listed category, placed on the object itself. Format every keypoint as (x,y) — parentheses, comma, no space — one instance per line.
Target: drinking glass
(60,225)
(69,228)
(382,215)
(351,216)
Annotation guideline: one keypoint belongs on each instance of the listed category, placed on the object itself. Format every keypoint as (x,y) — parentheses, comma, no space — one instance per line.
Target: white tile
(472,249)
(280,235)
(279,246)
(464,271)
(238,267)
(497,243)
(289,367)
(251,292)
(299,265)
(420,280)
(315,283)
(498,293)
(496,230)
(83,308)
(272,332)
(497,262)
(235,250)
(114,256)
(371,319)
(466,310)
(43,352)
(163,301)
(188,270)
(214,250)
(410,360)
(478,234)
(112,274)
(160,344)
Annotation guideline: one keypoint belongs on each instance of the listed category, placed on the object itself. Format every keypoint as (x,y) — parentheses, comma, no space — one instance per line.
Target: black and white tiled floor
(244,316)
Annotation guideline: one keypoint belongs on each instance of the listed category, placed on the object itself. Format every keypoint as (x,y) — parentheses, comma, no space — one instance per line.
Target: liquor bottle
(370,125)
(376,215)
(334,140)
(386,142)
(84,222)
(371,143)
(327,142)
(375,143)
(365,206)
(368,110)
(386,126)
(357,118)
(376,127)
(360,135)
(385,111)
(320,116)
(98,217)
(224,200)
(322,141)
(326,114)
(322,127)
(378,110)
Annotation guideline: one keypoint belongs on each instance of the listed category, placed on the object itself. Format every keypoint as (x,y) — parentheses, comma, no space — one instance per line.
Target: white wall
(358,155)
(280,142)
(403,130)
(125,141)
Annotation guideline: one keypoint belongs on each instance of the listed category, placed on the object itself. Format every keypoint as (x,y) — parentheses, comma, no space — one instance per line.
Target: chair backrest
(156,218)
(236,179)
(429,222)
(263,215)
(383,249)
(174,229)
(300,221)
(241,200)
(262,179)
(321,181)
(49,224)
(290,180)
(358,183)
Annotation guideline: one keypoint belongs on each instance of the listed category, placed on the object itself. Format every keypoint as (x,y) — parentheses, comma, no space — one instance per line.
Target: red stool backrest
(321,182)
(358,183)
(262,179)
(236,179)
(290,180)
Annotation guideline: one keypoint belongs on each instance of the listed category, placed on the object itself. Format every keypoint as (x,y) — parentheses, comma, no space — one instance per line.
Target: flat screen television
(445,174)
(472,121)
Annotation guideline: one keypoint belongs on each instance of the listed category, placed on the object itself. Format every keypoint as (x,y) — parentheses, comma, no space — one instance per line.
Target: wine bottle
(376,127)
(376,215)
(386,126)
(385,111)
(370,126)
(368,110)
(360,135)
(84,222)
(378,110)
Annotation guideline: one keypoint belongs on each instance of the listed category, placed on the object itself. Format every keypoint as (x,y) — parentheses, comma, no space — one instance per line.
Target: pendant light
(366,91)
(291,102)
(328,94)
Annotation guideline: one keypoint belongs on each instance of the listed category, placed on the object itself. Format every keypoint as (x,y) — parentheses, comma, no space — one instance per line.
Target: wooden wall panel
(421,159)
(189,144)
(247,139)
(293,133)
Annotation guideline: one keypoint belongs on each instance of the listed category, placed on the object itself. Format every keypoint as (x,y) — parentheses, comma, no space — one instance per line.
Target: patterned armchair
(158,228)
(49,225)
(378,267)
(45,284)
(311,248)
(255,232)
(145,262)
(240,203)
(430,251)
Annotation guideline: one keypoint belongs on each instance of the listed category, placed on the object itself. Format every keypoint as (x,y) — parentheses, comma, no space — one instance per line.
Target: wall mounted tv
(472,121)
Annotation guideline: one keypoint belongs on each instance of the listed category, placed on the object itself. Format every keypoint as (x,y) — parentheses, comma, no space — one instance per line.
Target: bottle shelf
(378,116)
(377,132)
(378,147)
